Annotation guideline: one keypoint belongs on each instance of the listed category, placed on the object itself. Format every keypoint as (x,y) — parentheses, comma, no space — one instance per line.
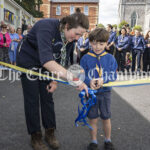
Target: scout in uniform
(111,41)
(39,50)
(122,44)
(100,67)
(138,46)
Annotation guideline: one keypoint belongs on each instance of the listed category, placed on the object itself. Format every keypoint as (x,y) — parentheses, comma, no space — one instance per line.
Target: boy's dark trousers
(36,96)
(120,57)
(138,53)
(146,60)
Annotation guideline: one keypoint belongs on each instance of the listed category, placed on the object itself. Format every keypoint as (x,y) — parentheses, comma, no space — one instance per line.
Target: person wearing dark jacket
(38,50)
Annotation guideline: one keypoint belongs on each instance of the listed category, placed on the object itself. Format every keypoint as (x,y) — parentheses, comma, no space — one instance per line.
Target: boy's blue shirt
(108,64)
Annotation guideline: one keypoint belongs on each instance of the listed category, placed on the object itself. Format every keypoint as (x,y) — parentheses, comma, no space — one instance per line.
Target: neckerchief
(63,49)
(98,65)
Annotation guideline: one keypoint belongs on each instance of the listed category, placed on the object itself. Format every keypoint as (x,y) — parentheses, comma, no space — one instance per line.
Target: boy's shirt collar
(92,53)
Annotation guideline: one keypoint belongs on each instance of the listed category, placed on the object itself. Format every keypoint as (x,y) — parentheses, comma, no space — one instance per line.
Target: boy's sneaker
(92,146)
(108,146)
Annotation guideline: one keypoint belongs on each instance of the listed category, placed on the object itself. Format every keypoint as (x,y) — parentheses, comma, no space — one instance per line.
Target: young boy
(100,67)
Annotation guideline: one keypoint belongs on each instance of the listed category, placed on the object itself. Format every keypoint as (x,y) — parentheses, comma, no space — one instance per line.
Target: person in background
(1,23)
(5,41)
(128,62)
(122,44)
(8,28)
(19,32)
(130,38)
(83,44)
(138,46)
(146,55)
(112,38)
(29,27)
(13,46)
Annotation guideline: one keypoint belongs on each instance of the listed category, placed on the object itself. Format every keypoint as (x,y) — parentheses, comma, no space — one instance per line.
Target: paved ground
(130,119)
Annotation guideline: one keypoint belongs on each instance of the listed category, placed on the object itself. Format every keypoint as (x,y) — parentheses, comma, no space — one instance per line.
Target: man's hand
(83,86)
(52,87)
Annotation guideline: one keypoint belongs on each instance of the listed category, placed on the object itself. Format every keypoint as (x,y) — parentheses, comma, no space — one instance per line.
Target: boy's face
(98,47)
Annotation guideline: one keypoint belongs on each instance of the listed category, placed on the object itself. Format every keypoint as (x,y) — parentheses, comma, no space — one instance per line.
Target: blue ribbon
(87,103)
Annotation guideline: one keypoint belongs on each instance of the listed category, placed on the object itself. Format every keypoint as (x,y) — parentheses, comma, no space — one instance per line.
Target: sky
(108,12)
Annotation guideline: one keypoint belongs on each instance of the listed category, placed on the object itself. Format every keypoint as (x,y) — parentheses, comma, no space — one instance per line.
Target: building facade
(13,14)
(135,12)
(61,8)
(45,7)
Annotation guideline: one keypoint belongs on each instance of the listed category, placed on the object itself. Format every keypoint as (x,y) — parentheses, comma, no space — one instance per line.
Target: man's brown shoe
(51,139)
(37,143)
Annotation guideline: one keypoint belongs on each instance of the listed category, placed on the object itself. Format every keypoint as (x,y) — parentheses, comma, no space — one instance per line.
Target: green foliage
(32,6)
(137,27)
(123,23)
(114,26)
(101,25)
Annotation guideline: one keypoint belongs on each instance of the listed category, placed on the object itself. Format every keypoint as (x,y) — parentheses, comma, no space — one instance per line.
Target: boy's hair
(99,35)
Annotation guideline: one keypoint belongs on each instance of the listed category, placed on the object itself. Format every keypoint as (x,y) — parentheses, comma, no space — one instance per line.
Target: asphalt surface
(130,119)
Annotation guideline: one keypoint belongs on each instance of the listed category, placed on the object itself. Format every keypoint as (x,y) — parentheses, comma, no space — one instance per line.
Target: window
(86,10)
(58,10)
(71,9)
(8,16)
(133,19)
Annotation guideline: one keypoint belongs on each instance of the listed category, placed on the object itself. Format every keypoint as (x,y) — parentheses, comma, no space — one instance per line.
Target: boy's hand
(96,83)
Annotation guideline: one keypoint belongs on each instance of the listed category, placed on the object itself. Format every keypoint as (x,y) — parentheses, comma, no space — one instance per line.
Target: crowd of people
(9,39)
(126,45)
(130,48)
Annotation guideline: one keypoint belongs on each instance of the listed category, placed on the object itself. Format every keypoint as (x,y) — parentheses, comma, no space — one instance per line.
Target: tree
(114,26)
(32,6)
(123,23)
(101,25)
(137,27)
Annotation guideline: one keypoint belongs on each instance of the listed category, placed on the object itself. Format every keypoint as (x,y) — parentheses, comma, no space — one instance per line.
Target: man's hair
(99,35)
(75,20)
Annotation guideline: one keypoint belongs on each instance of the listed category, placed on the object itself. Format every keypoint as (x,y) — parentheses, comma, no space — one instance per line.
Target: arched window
(133,19)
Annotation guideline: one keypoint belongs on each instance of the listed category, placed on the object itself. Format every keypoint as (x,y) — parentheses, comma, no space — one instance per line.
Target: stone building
(135,12)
